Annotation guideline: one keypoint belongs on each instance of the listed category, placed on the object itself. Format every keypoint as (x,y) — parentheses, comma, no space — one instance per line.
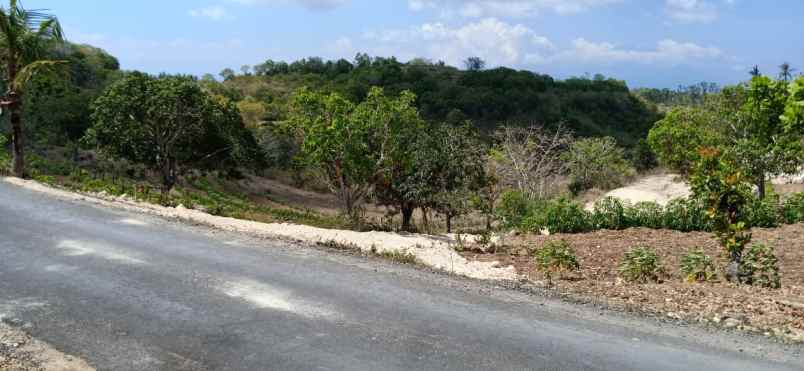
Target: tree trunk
(733,271)
(407,216)
(17,142)
(169,178)
(761,188)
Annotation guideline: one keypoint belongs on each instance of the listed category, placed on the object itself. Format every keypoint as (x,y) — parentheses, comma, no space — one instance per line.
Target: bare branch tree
(530,158)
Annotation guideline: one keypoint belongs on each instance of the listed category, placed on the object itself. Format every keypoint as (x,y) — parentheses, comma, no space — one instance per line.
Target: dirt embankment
(20,352)
(771,312)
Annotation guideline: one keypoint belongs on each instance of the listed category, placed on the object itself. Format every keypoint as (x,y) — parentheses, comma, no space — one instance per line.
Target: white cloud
(505,8)
(215,13)
(309,4)
(695,11)
(667,52)
(498,42)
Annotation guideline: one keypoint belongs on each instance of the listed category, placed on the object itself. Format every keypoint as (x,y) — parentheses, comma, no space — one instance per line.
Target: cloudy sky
(657,43)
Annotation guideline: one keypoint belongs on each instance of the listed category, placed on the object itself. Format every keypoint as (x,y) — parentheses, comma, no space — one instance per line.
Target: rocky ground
(20,352)
(778,313)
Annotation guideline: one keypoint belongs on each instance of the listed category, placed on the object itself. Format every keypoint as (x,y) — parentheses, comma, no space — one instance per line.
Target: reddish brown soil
(774,311)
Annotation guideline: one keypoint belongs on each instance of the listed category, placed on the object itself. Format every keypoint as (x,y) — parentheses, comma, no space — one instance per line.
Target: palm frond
(35,68)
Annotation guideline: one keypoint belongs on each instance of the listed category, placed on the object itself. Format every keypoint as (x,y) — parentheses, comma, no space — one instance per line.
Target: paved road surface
(134,292)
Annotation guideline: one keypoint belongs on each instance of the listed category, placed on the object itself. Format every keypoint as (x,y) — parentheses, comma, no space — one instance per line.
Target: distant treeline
(590,106)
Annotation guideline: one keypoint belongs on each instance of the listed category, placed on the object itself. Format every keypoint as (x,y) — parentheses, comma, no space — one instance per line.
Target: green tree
(25,36)
(677,138)
(396,125)
(336,142)
(474,64)
(168,123)
(227,74)
(759,142)
(450,172)
(793,116)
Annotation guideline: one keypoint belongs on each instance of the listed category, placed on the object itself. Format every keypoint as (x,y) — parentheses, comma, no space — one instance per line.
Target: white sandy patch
(59,268)
(84,248)
(657,188)
(265,296)
(789,179)
(135,222)
(434,251)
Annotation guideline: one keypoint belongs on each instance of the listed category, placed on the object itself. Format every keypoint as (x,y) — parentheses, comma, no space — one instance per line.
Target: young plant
(761,267)
(726,193)
(698,267)
(641,265)
(556,257)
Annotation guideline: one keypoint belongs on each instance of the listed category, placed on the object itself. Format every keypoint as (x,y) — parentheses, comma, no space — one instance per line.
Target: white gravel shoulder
(433,251)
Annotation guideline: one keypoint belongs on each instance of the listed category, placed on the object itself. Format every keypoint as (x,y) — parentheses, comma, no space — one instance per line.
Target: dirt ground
(19,352)
(772,312)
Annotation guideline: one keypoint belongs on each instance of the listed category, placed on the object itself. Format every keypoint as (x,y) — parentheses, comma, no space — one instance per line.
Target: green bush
(564,216)
(641,265)
(793,209)
(512,209)
(764,213)
(686,215)
(609,214)
(698,267)
(556,257)
(760,267)
(645,214)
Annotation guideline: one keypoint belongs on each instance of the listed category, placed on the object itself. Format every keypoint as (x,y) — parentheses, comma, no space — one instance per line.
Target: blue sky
(656,43)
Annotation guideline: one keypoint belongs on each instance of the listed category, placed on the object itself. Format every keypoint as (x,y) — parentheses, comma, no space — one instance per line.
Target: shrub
(641,265)
(760,267)
(512,209)
(793,209)
(645,214)
(609,214)
(597,163)
(764,213)
(556,257)
(564,216)
(698,267)
(686,215)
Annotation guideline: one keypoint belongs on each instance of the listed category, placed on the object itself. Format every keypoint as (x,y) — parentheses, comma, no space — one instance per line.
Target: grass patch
(205,193)
(400,257)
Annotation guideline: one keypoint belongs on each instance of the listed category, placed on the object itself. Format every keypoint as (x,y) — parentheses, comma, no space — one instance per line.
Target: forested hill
(596,106)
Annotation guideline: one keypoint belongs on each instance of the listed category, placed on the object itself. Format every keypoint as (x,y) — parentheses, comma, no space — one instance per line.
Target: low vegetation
(641,265)
(684,214)
(698,267)
(556,257)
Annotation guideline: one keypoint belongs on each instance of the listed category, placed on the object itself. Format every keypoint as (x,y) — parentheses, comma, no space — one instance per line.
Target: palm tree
(786,72)
(25,37)
(755,71)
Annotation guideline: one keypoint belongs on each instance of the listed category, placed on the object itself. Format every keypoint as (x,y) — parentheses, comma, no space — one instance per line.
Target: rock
(796,335)
(731,323)
(717,319)
(181,207)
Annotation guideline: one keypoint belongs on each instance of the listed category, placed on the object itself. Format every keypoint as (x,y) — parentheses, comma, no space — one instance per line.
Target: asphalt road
(133,292)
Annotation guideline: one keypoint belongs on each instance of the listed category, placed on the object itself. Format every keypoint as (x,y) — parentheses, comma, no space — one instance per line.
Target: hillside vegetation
(589,106)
